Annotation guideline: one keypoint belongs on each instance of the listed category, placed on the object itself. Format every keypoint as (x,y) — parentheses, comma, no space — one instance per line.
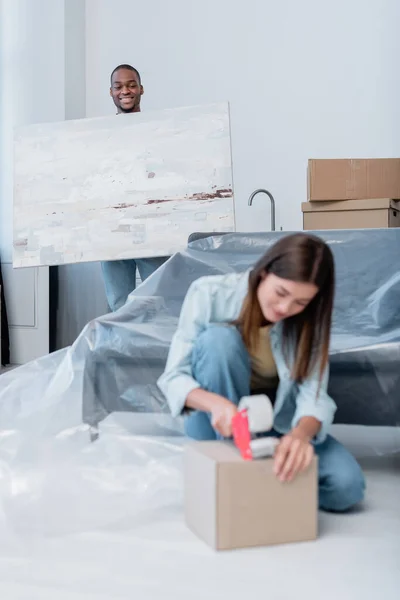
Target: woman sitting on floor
(266,331)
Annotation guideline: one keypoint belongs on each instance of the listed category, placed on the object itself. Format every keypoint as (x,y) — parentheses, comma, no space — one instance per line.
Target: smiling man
(126,89)
(120,275)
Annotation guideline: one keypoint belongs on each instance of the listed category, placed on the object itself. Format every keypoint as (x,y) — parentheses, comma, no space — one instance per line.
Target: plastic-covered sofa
(125,352)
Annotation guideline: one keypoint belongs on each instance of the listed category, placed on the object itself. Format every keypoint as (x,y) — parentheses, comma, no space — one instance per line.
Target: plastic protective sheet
(107,380)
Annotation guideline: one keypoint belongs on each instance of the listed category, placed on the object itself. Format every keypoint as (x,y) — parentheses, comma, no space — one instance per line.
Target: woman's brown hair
(307,259)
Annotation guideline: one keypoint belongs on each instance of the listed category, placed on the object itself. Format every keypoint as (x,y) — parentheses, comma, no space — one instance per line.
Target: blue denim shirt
(219,299)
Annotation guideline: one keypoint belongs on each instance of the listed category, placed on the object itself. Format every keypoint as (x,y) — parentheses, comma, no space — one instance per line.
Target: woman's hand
(222,412)
(221,409)
(293,455)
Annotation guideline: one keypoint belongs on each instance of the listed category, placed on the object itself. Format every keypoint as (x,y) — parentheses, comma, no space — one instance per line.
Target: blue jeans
(120,277)
(221,364)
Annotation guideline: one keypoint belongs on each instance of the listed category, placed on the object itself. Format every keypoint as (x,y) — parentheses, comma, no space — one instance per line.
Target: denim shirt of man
(219,299)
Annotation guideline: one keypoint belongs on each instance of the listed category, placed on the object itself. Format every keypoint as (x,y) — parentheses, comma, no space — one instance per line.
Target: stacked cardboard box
(352,194)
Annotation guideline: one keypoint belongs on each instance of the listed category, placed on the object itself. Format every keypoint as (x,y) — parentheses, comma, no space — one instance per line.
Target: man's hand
(222,413)
(293,455)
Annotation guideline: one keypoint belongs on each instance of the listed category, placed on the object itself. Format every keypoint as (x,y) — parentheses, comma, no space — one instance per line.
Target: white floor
(357,556)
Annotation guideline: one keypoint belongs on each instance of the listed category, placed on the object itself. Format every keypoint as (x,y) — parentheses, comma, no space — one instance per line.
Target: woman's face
(281,298)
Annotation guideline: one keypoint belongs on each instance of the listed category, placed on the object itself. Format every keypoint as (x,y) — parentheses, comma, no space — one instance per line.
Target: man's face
(126,91)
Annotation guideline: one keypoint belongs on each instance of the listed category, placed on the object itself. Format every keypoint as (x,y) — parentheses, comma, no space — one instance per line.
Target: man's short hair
(130,68)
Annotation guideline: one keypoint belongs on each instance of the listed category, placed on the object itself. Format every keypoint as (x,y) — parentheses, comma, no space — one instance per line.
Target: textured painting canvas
(127,186)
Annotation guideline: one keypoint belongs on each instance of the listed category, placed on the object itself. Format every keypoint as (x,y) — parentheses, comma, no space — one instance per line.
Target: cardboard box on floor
(353,179)
(351,214)
(232,503)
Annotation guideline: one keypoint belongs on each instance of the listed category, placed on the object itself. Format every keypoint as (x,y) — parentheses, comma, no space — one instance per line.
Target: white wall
(81,295)
(32,91)
(43,70)
(304,79)
(32,83)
